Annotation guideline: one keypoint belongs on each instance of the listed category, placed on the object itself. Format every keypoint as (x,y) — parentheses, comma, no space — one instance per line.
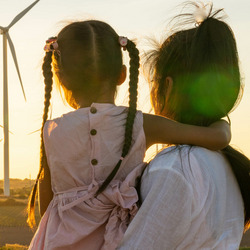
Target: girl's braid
(134,73)
(133,81)
(48,80)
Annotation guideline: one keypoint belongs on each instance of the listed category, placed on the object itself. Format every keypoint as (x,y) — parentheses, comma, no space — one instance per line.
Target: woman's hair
(203,64)
(88,56)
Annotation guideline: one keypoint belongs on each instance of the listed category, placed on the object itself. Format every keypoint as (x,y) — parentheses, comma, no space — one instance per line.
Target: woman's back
(193,201)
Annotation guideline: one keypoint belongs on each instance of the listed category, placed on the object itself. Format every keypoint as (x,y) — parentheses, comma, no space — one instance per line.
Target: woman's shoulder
(169,159)
(186,159)
(173,154)
(187,151)
(196,167)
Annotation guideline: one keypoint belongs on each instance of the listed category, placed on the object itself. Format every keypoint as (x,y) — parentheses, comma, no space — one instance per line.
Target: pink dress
(82,148)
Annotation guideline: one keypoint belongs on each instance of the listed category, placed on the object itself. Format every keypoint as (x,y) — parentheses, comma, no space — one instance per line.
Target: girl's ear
(123,75)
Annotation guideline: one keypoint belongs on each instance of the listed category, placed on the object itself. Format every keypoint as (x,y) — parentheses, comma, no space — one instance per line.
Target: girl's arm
(159,129)
(45,193)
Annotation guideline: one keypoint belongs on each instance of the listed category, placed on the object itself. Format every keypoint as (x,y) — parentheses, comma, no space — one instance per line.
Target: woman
(194,198)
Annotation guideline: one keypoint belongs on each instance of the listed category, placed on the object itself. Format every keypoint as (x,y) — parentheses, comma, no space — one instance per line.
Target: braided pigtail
(133,81)
(48,75)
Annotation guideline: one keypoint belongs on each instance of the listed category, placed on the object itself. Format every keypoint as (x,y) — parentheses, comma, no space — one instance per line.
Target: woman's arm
(159,129)
(45,193)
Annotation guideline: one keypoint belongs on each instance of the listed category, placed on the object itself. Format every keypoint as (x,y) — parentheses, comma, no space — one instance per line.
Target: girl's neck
(84,105)
(104,94)
(86,102)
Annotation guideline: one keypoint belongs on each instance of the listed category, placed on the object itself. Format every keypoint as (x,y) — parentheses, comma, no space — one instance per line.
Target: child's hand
(223,129)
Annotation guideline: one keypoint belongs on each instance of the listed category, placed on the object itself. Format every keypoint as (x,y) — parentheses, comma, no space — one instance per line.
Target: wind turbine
(6,38)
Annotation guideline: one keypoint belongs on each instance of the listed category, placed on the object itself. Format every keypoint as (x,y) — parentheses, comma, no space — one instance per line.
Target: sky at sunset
(136,19)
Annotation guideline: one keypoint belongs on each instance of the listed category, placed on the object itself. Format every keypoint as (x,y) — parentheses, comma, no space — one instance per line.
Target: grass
(14,216)
(13,247)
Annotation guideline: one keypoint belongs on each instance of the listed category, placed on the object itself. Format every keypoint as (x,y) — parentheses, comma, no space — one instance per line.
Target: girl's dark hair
(203,64)
(48,75)
(88,54)
(134,73)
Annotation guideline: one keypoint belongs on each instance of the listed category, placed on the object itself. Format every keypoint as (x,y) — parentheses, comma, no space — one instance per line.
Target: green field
(13,216)
(13,226)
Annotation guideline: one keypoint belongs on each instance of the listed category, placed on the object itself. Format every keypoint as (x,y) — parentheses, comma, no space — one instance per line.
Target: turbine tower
(6,38)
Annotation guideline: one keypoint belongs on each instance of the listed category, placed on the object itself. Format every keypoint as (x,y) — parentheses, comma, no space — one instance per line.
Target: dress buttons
(94,162)
(93,132)
(93,110)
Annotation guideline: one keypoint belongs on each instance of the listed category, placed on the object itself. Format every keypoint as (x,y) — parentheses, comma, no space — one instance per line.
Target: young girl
(91,157)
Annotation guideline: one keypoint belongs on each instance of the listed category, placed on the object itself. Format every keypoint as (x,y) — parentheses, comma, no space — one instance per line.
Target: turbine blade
(38,130)
(12,49)
(20,15)
(3,127)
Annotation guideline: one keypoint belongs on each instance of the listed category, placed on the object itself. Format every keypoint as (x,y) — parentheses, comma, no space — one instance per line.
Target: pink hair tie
(123,41)
(51,45)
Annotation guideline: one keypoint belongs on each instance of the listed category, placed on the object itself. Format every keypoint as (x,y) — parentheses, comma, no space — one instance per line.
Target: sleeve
(165,215)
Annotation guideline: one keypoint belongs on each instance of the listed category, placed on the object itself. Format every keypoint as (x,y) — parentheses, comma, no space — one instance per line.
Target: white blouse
(191,200)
